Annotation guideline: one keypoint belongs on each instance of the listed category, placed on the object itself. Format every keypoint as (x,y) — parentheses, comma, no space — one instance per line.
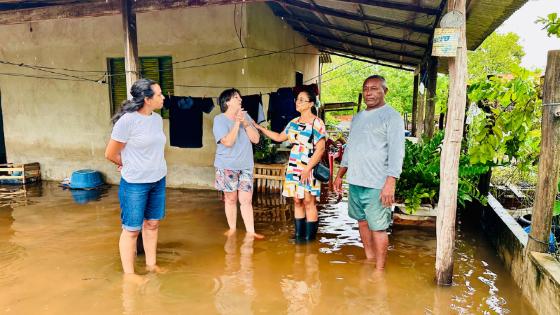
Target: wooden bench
(20,173)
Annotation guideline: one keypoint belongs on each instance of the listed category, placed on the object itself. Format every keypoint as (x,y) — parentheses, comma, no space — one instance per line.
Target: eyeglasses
(302,100)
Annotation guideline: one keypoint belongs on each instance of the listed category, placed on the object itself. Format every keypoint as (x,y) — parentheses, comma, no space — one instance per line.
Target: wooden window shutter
(117,83)
(159,69)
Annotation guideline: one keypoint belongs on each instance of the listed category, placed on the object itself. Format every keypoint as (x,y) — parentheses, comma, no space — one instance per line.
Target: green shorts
(364,204)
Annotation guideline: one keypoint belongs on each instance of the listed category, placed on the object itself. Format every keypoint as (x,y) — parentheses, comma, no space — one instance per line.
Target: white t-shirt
(142,156)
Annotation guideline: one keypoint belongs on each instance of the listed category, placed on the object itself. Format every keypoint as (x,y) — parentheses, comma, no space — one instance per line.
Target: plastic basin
(85,179)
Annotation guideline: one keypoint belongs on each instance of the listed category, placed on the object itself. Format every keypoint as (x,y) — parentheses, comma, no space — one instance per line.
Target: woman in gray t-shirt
(136,146)
(234,133)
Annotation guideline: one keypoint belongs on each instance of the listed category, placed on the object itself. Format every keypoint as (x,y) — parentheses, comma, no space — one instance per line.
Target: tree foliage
(551,24)
(507,128)
(345,83)
(498,54)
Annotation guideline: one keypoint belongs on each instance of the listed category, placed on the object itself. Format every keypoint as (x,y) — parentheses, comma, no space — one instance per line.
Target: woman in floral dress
(300,183)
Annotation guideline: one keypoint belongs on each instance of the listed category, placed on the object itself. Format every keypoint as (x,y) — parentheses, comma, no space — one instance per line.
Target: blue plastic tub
(85,179)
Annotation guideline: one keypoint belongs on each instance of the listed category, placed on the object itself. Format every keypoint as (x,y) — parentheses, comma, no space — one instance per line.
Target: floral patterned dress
(299,135)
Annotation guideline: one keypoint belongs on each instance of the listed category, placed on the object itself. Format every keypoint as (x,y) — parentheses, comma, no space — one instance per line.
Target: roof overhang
(396,33)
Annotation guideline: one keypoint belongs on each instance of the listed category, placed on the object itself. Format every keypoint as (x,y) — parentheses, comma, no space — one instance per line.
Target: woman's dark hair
(139,90)
(310,94)
(225,96)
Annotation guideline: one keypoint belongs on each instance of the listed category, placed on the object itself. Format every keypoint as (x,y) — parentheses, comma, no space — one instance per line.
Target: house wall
(65,125)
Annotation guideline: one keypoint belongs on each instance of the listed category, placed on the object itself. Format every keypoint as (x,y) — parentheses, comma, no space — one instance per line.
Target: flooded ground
(59,255)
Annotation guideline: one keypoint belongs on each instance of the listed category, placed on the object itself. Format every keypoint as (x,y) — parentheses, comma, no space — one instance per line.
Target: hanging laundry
(260,116)
(185,120)
(281,109)
(250,103)
(206,105)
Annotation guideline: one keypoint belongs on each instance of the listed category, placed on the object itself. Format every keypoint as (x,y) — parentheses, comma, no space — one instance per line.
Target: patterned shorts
(232,180)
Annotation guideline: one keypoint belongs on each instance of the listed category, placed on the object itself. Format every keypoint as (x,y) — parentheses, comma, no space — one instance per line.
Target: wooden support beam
(297,19)
(131,63)
(549,158)
(431,97)
(420,112)
(450,153)
(101,8)
(396,6)
(354,43)
(415,102)
(358,17)
(396,62)
(328,23)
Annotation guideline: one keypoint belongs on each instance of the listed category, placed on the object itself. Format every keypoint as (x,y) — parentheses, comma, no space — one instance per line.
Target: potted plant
(418,186)
(264,151)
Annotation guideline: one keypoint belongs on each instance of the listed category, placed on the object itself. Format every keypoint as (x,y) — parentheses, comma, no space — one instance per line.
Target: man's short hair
(378,77)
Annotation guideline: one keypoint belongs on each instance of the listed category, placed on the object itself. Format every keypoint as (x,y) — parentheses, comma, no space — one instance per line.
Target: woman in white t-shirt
(136,146)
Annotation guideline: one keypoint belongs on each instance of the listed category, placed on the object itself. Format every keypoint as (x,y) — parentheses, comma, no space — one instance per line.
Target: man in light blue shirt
(373,161)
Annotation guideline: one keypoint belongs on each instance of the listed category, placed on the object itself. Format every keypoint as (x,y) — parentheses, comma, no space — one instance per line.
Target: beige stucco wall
(65,125)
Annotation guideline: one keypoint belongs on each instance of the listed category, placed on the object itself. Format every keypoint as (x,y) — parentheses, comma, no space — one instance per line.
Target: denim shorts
(364,204)
(232,180)
(141,201)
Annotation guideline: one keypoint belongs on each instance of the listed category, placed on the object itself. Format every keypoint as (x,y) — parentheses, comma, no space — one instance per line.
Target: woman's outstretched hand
(259,127)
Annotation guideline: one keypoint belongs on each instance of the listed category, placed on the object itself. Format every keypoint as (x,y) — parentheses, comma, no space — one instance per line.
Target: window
(159,69)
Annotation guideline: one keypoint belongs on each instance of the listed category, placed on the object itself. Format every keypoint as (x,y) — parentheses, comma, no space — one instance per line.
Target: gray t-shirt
(142,156)
(375,147)
(240,155)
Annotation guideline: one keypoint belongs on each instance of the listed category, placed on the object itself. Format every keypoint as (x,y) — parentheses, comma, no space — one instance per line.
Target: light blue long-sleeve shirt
(375,147)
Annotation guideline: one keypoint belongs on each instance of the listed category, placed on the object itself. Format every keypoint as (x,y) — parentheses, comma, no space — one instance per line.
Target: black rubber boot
(311,230)
(300,229)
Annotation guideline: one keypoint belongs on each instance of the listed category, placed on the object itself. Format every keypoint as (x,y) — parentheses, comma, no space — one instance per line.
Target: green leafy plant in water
(420,178)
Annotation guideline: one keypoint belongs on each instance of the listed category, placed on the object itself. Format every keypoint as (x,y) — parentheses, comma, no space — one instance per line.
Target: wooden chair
(268,203)
(269,177)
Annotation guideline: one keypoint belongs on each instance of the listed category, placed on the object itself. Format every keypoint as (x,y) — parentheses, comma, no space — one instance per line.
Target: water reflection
(19,195)
(83,196)
(302,289)
(369,296)
(236,293)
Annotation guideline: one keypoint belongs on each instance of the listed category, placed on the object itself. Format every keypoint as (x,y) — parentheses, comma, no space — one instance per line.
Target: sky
(533,38)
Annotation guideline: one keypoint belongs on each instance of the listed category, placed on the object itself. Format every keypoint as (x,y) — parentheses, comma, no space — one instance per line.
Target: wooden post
(130,44)
(549,159)
(415,103)
(360,96)
(430,108)
(449,166)
(420,114)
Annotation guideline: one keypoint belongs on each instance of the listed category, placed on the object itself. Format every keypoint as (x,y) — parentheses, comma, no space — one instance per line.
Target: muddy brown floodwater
(59,255)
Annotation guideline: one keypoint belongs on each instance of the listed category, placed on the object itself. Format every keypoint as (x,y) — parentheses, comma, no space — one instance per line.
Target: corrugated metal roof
(396,32)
